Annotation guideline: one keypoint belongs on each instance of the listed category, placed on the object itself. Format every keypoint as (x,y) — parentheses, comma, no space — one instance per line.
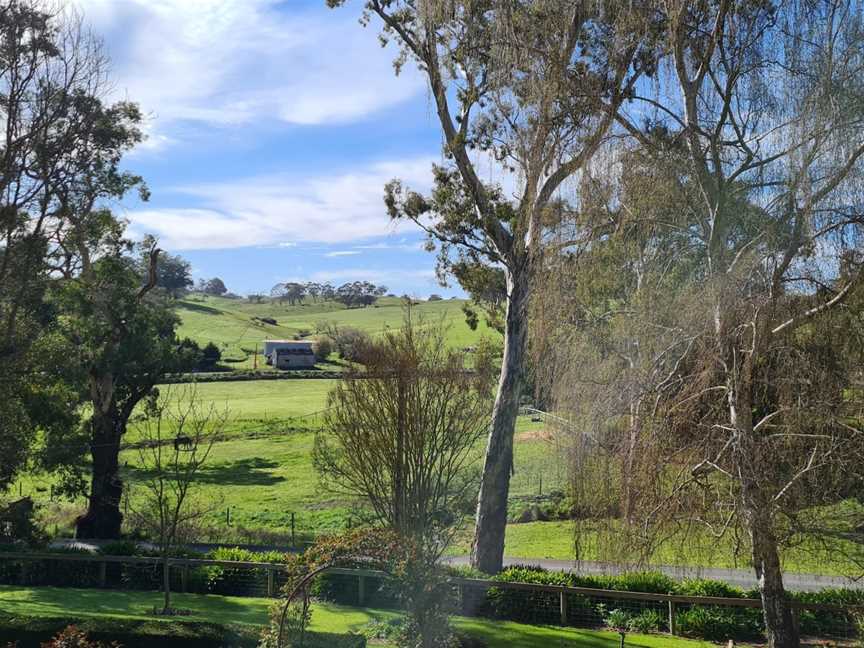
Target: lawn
(78,603)
(230,325)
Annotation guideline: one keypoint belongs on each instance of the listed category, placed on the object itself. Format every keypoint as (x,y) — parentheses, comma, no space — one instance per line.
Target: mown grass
(82,603)
(230,325)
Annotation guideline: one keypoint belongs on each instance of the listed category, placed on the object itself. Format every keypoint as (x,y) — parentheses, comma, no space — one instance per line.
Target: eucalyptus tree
(533,88)
(58,142)
(767,102)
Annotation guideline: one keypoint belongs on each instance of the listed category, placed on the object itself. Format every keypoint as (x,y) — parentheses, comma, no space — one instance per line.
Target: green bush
(229,581)
(720,624)
(647,621)
(707,587)
(828,622)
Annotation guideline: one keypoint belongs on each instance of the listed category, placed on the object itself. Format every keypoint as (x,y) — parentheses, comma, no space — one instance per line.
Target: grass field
(229,322)
(263,473)
(82,603)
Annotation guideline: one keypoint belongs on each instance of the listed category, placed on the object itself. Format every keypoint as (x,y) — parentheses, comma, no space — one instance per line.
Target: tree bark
(103,518)
(487,550)
(780,627)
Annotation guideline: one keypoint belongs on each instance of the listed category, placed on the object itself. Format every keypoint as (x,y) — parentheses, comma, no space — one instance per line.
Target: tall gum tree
(534,87)
(767,100)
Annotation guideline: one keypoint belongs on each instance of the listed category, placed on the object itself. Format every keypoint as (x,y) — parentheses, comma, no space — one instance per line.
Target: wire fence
(711,618)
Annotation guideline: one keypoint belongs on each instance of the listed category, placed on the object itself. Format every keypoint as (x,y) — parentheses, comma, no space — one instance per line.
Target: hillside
(229,323)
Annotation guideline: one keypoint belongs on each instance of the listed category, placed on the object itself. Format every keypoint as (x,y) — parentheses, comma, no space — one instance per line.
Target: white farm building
(289,354)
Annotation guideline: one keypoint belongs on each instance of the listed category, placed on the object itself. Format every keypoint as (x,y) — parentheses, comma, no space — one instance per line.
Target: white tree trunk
(487,551)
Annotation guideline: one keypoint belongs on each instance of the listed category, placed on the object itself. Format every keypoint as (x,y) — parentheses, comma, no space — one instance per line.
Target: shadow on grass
(69,602)
(253,471)
(199,308)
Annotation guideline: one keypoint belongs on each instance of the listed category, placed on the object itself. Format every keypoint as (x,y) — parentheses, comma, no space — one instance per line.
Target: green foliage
(708,587)
(646,621)
(720,624)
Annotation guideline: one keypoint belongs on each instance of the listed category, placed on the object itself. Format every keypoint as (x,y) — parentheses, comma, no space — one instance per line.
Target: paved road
(739,577)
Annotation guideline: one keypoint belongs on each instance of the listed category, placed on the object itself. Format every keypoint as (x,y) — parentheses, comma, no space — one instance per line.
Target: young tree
(177,435)
(399,432)
(400,436)
(173,274)
(534,87)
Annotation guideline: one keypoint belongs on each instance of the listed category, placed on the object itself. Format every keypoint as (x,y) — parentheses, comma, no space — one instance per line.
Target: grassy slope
(229,324)
(54,602)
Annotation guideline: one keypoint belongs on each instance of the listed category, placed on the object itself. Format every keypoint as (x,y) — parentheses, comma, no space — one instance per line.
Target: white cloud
(342,253)
(282,209)
(236,61)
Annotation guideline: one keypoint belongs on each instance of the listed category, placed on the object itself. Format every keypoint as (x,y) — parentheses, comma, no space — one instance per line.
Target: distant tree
(290,291)
(210,357)
(314,290)
(256,298)
(359,293)
(214,286)
(328,293)
(173,273)
(323,347)
(433,297)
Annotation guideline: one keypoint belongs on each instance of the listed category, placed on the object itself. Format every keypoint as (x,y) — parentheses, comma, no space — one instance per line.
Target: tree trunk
(166,583)
(487,551)
(103,517)
(780,627)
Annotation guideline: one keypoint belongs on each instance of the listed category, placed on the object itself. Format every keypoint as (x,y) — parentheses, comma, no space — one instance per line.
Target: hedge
(237,376)
(30,632)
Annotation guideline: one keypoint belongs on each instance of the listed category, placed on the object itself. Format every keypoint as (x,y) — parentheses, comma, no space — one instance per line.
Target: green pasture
(262,472)
(84,603)
(229,323)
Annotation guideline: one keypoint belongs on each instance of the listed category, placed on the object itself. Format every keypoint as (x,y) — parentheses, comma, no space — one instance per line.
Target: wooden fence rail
(672,601)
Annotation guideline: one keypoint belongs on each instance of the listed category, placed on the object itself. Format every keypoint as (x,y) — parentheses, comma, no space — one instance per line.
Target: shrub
(707,587)
(720,624)
(72,637)
(239,581)
(322,347)
(646,621)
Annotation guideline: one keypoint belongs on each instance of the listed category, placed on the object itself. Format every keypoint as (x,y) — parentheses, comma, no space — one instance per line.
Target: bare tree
(177,435)
(533,88)
(758,120)
(401,433)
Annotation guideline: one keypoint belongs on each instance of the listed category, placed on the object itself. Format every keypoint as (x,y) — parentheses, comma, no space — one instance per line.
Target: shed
(292,354)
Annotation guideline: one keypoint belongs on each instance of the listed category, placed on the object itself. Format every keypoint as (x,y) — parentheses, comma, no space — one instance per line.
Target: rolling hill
(231,323)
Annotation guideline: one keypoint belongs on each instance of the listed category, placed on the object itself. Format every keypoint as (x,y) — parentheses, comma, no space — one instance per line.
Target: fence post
(562,602)
(184,578)
(361,590)
(271,583)
(103,574)
(672,627)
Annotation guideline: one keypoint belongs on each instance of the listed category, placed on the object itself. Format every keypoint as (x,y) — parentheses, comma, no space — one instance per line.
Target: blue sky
(273,127)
